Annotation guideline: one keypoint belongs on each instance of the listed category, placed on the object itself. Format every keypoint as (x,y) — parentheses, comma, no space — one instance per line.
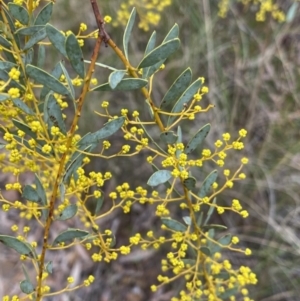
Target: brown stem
(62,162)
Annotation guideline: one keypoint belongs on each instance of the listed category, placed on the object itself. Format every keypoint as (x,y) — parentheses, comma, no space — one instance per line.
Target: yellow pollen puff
(14,74)
(107,19)
(204,90)
(105,104)
(83,27)
(14,92)
(226,137)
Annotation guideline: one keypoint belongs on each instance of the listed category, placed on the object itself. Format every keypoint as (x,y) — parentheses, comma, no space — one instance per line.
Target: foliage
(40,141)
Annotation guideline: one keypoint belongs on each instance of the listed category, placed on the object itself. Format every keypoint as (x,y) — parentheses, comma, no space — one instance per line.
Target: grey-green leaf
(173,224)
(115,78)
(41,56)
(168,137)
(189,183)
(4,97)
(4,42)
(26,287)
(68,235)
(150,46)
(16,244)
(187,220)
(29,31)
(197,139)
(75,55)
(19,12)
(42,194)
(210,211)
(126,84)
(187,95)
(47,80)
(109,129)
(54,114)
(99,203)
(127,32)
(21,105)
(292,12)
(177,88)
(30,194)
(161,52)
(49,267)
(172,34)
(35,38)
(207,183)
(67,213)
(159,177)
(44,15)
(206,251)
(57,39)
(69,80)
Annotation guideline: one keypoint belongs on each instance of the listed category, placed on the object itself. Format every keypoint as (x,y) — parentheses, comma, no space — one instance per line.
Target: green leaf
(25,128)
(4,97)
(99,203)
(125,84)
(225,240)
(179,140)
(7,65)
(11,22)
(46,79)
(150,46)
(228,293)
(54,114)
(44,15)
(161,52)
(127,32)
(102,65)
(206,251)
(16,244)
(41,56)
(207,183)
(214,226)
(172,34)
(291,14)
(168,137)
(197,139)
(19,12)
(187,95)
(68,235)
(49,267)
(67,213)
(21,105)
(29,31)
(187,220)
(26,287)
(69,80)
(189,183)
(173,224)
(57,39)
(177,88)
(210,211)
(30,194)
(62,191)
(42,194)
(5,77)
(222,242)
(4,42)
(109,129)
(159,177)
(35,38)
(115,78)
(75,55)
(189,262)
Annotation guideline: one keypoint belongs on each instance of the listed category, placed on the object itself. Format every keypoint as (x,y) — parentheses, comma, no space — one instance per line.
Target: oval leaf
(49,267)
(127,32)
(177,88)
(189,183)
(38,36)
(197,139)
(57,39)
(210,179)
(159,177)
(47,80)
(125,84)
(173,224)
(19,12)
(44,15)
(187,95)
(68,213)
(4,97)
(16,244)
(150,46)
(75,55)
(4,42)
(115,78)
(99,203)
(68,235)
(29,31)
(172,34)
(187,220)
(109,129)
(168,137)
(26,287)
(160,53)
(42,195)
(30,194)
(206,251)
(41,56)
(21,105)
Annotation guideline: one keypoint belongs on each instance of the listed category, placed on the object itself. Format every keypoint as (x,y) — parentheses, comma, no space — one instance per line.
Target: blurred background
(250,57)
